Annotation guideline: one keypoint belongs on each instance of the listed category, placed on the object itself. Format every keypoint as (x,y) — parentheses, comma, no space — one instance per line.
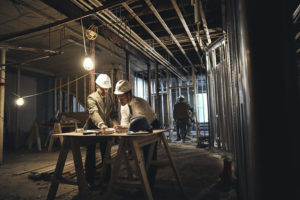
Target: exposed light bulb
(20,101)
(88,63)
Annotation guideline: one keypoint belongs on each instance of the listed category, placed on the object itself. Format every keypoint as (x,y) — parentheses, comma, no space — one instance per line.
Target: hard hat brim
(105,87)
(117,92)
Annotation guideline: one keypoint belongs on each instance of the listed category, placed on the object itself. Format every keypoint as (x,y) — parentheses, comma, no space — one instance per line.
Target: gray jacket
(100,112)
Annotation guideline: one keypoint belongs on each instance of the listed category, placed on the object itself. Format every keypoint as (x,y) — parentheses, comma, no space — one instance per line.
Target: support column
(68,94)
(17,138)
(2,98)
(84,93)
(55,96)
(60,96)
(127,65)
(92,72)
(195,103)
(76,94)
(168,102)
(157,103)
(149,83)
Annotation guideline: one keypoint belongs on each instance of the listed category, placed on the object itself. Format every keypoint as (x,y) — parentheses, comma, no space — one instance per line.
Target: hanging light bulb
(20,101)
(88,63)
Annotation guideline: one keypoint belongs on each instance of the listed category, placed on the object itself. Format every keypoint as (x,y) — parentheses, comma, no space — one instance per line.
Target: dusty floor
(198,168)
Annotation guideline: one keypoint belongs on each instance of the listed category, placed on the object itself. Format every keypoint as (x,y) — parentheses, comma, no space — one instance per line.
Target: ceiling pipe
(155,12)
(175,5)
(203,18)
(133,14)
(201,44)
(135,40)
(36,50)
(132,35)
(119,30)
(28,60)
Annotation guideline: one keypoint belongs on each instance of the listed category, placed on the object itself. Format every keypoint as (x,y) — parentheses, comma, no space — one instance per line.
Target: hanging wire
(47,91)
(83,37)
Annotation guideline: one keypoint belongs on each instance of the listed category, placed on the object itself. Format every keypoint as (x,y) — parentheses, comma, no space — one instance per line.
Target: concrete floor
(199,170)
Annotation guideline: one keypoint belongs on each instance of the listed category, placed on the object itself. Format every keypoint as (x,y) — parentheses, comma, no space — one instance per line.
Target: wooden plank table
(134,143)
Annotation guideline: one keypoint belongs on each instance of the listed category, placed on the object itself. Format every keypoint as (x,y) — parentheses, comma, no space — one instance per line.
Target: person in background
(181,114)
(103,113)
(131,108)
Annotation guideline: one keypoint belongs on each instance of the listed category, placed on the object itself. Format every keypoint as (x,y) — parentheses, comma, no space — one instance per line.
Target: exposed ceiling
(159,31)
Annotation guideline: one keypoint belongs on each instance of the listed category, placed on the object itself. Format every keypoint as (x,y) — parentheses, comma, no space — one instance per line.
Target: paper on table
(87,132)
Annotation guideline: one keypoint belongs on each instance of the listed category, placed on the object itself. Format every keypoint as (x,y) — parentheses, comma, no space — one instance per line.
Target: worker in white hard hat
(131,108)
(103,113)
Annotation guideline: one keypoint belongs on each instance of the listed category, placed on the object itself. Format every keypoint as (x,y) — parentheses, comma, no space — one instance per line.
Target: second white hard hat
(103,81)
(122,87)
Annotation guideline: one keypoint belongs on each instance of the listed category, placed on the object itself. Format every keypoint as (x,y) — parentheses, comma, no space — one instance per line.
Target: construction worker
(181,116)
(103,113)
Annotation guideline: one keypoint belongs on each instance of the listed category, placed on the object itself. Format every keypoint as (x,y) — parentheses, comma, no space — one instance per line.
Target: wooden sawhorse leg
(58,170)
(136,150)
(56,129)
(82,184)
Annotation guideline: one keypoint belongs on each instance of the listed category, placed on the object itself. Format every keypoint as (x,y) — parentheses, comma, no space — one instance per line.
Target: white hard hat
(181,97)
(103,81)
(122,87)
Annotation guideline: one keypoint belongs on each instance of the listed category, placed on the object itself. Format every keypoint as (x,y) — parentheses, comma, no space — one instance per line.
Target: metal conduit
(126,31)
(142,42)
(204,22)
(175,5)
(128,36)
(125,5)
(167,29)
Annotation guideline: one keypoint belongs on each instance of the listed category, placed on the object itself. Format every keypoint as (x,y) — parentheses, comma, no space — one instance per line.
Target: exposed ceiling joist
(155,12)
(151,33)
(186,28)
(125,32)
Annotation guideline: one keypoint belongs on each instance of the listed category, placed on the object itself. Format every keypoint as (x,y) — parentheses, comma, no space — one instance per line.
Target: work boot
(178,139)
